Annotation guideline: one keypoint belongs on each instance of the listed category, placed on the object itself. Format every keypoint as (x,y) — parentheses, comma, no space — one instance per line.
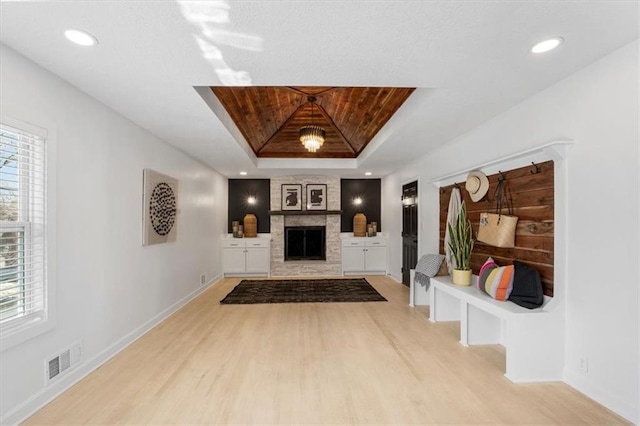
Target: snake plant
(461,237)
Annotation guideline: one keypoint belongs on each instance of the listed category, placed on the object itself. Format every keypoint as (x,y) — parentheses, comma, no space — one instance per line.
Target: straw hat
(477,185)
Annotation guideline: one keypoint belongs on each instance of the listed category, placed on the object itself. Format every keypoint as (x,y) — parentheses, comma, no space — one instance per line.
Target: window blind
(22,226)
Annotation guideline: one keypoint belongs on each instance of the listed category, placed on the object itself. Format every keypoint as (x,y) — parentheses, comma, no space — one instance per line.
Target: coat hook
(503,174)
(537,168)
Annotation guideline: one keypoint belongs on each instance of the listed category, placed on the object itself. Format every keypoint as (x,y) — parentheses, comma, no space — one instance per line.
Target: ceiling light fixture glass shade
(547,45)
(80,37)
(312,136)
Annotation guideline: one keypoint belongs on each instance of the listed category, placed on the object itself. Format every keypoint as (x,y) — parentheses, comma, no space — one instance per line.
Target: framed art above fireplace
(316,196)
(291,196)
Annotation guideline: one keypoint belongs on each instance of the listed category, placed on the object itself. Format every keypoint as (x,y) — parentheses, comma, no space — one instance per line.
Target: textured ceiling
(270,118)
(469,61)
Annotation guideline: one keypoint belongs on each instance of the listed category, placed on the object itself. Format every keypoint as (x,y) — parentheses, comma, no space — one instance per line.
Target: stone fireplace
(332,264)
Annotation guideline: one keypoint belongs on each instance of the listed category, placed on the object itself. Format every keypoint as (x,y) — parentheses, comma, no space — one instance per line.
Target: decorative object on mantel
(359,225)
(372,229)
(291,197)
(317,196)
(160,208)
(461,246)
(477,185)
(499,229)
(312,136)
(250,225)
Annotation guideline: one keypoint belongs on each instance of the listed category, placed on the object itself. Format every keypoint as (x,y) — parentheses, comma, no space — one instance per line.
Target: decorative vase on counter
(235,227)
(250,225)
(460,277)
(359,225)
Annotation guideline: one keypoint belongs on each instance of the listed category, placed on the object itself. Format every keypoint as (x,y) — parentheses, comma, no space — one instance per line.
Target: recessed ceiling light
(82,38)
(243,173)
(367,174)
(547,45)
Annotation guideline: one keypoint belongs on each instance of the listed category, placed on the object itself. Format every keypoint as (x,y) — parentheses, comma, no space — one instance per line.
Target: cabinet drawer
(353,243)
(233,243)
(377,243)
(256,242)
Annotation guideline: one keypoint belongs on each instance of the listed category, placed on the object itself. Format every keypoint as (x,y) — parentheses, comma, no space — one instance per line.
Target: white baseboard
(614,403)
(49,393)
(395,277)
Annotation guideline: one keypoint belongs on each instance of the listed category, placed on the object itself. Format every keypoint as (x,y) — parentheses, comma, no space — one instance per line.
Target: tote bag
(498,229)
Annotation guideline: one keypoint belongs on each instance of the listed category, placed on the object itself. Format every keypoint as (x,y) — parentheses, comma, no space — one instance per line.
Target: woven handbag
(497,229)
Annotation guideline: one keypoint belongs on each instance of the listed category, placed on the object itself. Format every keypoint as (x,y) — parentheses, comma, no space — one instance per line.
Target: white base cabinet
(364,255)
(246,257)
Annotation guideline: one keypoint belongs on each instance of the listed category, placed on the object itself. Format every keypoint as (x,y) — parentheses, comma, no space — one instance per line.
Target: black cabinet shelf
(304,212)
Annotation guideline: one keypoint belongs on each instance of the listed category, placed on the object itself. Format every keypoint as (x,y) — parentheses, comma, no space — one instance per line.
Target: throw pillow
(443,269)
(527,287)
(496,281)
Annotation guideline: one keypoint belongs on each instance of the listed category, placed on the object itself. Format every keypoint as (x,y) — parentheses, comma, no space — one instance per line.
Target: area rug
(303,291)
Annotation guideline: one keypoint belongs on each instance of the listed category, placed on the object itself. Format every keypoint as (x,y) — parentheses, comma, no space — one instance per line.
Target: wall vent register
(61,363)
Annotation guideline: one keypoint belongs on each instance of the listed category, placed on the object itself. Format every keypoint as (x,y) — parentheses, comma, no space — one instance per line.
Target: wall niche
(239,191)
(369,191)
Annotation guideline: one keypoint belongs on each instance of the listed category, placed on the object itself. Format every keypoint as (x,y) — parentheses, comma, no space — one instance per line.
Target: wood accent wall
(533,203)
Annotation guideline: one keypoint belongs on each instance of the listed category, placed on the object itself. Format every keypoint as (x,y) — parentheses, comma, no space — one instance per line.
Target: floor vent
(59,364)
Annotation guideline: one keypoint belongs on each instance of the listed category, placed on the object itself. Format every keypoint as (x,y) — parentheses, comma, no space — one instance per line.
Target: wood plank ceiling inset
(270,118)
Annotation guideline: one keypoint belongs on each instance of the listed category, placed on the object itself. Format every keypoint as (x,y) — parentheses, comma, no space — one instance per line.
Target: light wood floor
(332,363)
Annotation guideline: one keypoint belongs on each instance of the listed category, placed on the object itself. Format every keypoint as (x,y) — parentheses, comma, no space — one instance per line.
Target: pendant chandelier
(312,136)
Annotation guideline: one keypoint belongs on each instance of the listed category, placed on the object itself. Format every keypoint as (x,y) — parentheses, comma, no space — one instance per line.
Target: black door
(409,229)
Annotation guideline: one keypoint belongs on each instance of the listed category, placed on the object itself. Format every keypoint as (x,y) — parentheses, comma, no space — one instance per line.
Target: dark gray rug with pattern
(303,291)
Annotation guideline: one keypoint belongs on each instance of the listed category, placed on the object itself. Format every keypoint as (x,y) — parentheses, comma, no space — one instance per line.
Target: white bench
(533,338)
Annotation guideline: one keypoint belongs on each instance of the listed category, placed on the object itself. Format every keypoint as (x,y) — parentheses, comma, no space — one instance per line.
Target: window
(23,262)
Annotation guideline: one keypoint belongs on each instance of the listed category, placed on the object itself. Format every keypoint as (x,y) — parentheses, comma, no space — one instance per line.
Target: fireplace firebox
(304,243)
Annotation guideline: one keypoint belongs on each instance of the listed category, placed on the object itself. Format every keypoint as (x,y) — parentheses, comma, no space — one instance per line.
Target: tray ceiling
(270,118)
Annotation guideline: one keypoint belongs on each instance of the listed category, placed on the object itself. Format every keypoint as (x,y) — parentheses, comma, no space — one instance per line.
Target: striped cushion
(496,281)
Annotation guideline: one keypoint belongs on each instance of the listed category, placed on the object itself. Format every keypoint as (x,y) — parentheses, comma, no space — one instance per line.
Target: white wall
(598,109)
(110,288)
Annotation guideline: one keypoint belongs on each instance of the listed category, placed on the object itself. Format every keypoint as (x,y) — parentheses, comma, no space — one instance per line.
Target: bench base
(532,338)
